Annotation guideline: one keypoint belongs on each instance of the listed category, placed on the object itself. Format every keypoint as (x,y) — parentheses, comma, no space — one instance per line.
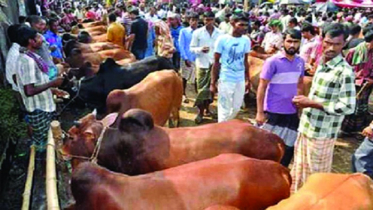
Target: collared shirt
(11,63)
(153,18)
(54,40)
(225,27)
(29,73)
(184,43)
(283,76)
(308,47)
(115,33)
(78,14)
(202,38)
(272,39)
(363,70)
(334,87)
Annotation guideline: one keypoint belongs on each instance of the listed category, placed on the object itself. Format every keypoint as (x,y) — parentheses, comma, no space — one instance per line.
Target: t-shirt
(233,51)
(283,75)
(115,33)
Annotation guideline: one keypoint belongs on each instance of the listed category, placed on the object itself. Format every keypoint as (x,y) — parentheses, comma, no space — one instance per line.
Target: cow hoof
(198,119)
(185,99)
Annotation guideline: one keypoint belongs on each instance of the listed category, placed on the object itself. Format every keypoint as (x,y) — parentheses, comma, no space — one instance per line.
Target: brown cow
(331,191)
(101,29)
(222,207)
(140,147)
(93,24)
(228,179)
(160,93)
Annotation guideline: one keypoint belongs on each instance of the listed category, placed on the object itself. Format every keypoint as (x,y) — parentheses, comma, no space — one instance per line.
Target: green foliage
(10,125)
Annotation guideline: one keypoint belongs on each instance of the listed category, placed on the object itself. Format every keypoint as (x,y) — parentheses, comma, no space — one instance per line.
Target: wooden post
(246,5)
(57,136)
(30,175)
(51,180)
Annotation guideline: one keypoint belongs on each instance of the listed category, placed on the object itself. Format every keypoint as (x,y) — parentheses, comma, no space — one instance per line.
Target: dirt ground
(12,197)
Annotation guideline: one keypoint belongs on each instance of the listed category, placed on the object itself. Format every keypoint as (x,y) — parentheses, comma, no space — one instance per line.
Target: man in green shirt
(332,96)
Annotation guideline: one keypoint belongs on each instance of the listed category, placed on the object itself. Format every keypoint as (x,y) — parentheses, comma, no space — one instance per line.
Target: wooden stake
(51,180)
(30,174)
(57,136)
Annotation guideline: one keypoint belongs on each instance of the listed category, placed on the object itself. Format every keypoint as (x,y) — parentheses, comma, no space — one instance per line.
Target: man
(11,59)
(273,40)
(362,159)
(151,15)
(257,34)
(310,42)
(39,24)
(55,41)
(293,24)
(226,26)
(175,27)
(139,29)
(202,44)
(231,54)
(354,38)
(280,80)
(78,13)
(188,58)
(361,59)
(332,96)
(115,32)
(285,18)
(34,85)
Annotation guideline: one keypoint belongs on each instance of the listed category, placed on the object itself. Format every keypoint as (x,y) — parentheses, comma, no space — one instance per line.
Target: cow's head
(82,137)
(165,63)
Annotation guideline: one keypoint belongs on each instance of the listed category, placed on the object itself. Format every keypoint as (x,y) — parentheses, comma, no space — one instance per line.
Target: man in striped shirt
(34,85)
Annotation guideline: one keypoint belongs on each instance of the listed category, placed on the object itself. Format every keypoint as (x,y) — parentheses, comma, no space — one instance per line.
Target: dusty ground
(12,196)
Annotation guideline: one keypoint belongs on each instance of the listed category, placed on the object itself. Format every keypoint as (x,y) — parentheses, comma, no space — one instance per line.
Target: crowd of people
(210,44)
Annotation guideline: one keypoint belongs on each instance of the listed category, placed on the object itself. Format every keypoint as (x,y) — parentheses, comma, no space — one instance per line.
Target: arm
(215,69)
(182,45)
(300,86)
(31,89)
(260,116)
(194,44)
(110,36)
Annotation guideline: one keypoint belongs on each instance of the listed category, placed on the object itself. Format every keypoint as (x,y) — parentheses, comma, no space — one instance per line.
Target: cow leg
(174,120)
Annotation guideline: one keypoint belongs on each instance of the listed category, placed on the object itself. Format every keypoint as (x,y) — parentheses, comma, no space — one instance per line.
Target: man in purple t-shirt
(282,79)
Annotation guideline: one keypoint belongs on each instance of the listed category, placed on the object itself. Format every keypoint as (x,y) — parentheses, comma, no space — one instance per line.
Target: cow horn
(94,112)
(77,124)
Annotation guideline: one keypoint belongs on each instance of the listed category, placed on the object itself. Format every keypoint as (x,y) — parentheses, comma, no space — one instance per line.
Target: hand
(368,132)
(260,118)
(247,86)
(213,88)
(60,93)
(302,101)
(205,49)
(188,63)
(58,82)
(53,48)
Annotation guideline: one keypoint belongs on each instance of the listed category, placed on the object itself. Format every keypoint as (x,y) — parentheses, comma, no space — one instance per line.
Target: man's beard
(291,51)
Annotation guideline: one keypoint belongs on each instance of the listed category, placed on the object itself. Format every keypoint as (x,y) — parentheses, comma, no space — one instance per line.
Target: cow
(88,48)
(229,179)
(222,207)
(160,93)
(324,191)
(100,29)
(133,145)
(93,24)
(77,58)
(110,76)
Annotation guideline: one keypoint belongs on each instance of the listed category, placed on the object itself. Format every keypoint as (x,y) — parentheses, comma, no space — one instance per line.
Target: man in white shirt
(151,15)
(203,45)
(226,26)
(285,18)
(273,40)
(11,59)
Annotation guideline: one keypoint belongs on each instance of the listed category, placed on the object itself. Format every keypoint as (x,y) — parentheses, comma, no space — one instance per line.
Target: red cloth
(90,15)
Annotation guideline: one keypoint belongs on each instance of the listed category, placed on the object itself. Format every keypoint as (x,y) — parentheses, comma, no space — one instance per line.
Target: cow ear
(136,119)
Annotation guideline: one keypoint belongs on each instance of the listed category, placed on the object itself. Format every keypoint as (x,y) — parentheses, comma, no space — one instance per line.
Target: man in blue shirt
(175,27)
(187,63)
(231,53)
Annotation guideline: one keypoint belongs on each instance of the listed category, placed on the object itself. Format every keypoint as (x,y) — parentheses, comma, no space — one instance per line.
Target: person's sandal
(198,119)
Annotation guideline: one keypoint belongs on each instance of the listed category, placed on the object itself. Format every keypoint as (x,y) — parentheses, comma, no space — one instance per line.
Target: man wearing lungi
(187,63)
(202,44)
(332,96)
(281,79)
(35,87)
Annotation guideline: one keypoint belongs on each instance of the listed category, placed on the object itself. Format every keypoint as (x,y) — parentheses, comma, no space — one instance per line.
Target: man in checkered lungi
(34,85)
(332,96)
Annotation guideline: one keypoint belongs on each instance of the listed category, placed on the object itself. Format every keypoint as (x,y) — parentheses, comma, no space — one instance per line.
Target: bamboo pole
(30,175)
(57,136)
(51,180)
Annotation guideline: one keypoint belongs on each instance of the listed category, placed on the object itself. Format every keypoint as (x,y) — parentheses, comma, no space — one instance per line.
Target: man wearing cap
(175,27)
(273,40)
(139,28)
(202,44)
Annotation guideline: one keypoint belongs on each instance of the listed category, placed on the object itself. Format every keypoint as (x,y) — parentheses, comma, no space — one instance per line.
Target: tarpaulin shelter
(292,2)
(353,3)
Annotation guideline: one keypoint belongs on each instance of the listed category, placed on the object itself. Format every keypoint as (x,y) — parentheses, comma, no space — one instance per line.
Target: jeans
(139,53)
(362,159)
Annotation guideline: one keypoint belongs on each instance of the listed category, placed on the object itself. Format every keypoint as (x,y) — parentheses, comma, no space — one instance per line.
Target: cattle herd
(125,159)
